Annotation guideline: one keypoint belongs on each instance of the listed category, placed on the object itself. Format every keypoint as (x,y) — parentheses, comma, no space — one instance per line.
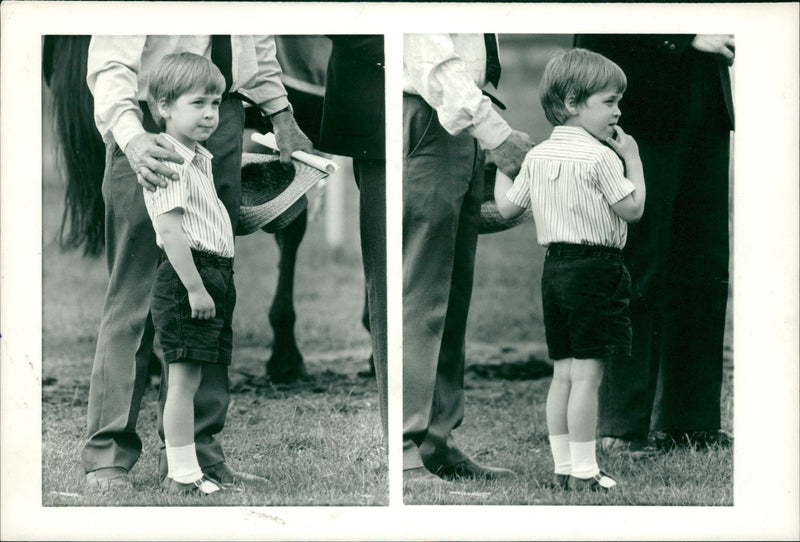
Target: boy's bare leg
(585,377)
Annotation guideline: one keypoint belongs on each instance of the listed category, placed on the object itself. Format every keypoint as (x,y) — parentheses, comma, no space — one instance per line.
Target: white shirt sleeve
(434,70)
(610,176)
(265,88)
(113,66)
(520,192)
(173,196)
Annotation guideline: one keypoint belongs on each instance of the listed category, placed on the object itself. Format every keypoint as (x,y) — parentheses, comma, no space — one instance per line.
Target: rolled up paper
(323,164)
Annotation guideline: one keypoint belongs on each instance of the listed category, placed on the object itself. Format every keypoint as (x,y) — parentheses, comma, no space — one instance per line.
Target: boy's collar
(573,131)
(185,152)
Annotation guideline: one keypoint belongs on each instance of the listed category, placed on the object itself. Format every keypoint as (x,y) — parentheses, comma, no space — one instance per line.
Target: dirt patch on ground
(515,361)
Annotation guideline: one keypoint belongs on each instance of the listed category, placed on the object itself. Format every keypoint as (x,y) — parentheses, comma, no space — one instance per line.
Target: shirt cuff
(127,127)
(275,104)
(491,132)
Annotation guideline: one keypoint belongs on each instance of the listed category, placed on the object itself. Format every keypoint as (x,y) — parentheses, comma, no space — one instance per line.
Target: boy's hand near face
(624,145)
(631,207)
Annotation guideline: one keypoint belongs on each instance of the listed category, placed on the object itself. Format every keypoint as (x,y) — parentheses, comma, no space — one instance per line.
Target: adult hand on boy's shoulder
(508,156)
(145,153)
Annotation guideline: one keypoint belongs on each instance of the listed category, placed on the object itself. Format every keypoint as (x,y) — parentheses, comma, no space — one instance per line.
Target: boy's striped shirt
(570,182)
(205,220)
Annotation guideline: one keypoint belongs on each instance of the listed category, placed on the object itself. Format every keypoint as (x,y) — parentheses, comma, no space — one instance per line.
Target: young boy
(193,295)
(581,198)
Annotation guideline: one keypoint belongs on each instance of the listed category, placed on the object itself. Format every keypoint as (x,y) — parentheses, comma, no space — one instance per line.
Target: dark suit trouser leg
(626,392)
(678,259)
(125,339)
(692,331)
(442,187)
(371,178)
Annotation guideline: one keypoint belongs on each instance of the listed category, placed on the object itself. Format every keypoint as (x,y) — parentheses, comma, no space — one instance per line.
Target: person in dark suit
(354,124)
(678,107)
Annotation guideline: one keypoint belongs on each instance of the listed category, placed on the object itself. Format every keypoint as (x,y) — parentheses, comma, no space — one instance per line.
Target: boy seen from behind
(582,196)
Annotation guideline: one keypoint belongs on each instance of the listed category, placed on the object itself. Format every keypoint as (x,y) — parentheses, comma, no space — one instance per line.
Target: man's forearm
(112,77)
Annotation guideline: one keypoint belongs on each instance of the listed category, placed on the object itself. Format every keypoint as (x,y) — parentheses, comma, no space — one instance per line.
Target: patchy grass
(506,378)
(316,443)
(505,426)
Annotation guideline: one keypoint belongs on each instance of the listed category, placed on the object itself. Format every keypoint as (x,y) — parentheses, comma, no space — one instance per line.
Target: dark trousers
(442,192)
(125,339)
(370,176)
(678,259)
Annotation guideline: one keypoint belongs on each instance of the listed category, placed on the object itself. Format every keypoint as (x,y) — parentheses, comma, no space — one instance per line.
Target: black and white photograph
(296,419)
(599,330)
(399,271)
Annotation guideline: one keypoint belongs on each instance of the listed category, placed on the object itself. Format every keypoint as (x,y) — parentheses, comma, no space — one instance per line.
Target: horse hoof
(286,369)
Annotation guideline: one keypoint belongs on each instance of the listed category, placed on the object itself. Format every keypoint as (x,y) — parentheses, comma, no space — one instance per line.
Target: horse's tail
(82,150)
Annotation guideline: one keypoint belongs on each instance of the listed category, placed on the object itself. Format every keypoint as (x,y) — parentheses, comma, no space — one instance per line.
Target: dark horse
(82,224)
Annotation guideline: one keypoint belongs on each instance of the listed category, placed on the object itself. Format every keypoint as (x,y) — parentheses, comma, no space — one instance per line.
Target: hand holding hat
(273,196)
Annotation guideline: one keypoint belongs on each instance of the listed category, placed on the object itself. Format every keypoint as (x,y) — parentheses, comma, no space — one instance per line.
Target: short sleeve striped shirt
(205,220)
(570,182)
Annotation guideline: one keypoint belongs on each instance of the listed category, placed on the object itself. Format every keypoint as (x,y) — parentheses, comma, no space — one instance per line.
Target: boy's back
(570,181)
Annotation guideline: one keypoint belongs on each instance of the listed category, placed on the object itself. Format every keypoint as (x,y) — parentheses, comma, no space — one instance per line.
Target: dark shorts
(190,339)
(585,299)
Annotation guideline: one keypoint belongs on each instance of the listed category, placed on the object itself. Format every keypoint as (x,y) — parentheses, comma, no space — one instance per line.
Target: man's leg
(437,169)
(439,449)
(626,392)
(690,376)
(371,179)
(125,338)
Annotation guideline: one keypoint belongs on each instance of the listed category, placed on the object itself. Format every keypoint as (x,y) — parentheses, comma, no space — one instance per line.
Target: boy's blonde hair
(177,74)
(576,73)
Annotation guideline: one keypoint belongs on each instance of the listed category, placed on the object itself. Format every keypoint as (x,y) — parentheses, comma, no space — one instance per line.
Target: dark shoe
(203,486)
(469,469)
(598,482)
(221,473)
(711,439)
(224,475)
(664,442)
(108,479)
(560,481)
(634,448)
(701,440)
(421,477)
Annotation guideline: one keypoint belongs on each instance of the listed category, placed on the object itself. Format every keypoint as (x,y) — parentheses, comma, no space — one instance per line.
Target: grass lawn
(504,422)
(319,443)
(316,443)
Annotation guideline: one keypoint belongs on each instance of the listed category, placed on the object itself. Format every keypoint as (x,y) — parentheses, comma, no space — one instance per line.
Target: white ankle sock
(182,463)
(584,460)
(562,458)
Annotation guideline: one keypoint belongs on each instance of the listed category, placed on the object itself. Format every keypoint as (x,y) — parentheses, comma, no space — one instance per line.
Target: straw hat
(272,197)
(491,221)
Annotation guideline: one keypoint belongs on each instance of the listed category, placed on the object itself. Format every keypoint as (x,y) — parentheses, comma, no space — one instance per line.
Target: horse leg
(286,363)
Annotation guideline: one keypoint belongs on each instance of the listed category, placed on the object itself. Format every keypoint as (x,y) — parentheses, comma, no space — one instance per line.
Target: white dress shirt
(118,67)
(448,72)
(570,182)
(205,222)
